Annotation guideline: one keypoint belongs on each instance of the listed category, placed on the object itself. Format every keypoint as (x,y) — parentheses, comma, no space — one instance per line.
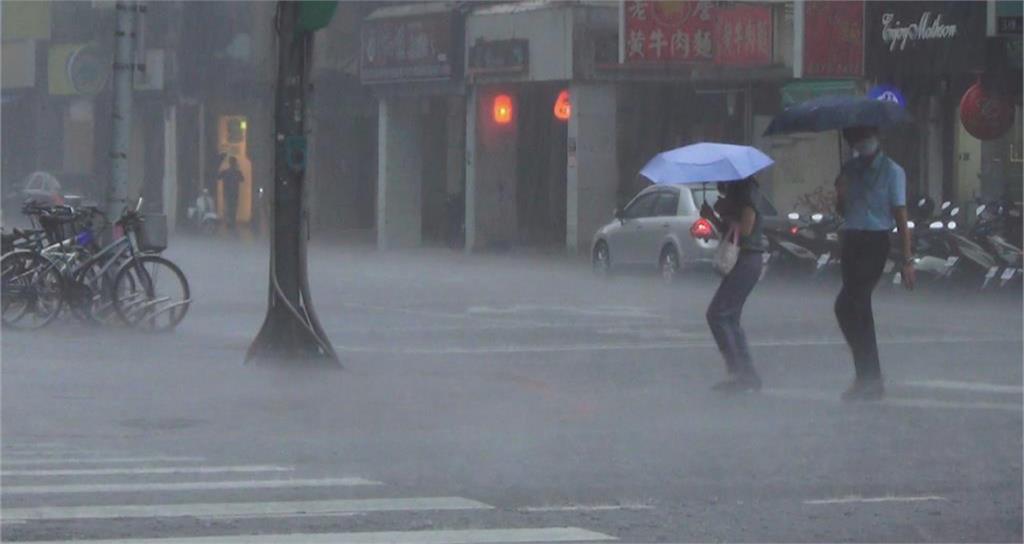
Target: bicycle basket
(152,233)
(59,227)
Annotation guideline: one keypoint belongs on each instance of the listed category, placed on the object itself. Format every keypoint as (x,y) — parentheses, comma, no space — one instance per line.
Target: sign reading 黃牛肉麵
(924,38)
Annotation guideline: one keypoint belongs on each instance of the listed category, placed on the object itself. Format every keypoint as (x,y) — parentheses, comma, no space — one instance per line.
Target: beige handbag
(728,252)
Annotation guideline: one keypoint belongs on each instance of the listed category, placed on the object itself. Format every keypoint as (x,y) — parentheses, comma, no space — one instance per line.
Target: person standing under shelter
(871,192)
(232,179)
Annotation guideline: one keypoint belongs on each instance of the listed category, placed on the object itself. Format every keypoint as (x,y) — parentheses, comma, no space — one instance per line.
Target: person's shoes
(868,389)
(738,383)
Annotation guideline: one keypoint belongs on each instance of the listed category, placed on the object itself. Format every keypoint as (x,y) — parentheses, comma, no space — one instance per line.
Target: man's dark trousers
(863,259)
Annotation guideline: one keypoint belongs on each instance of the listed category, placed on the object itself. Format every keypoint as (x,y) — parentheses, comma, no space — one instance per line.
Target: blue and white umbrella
(706,162)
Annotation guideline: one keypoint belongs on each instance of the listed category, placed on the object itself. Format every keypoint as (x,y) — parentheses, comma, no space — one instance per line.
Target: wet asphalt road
(522,400)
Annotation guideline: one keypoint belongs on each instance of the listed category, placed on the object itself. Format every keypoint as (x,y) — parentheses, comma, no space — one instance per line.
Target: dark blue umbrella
(836,113)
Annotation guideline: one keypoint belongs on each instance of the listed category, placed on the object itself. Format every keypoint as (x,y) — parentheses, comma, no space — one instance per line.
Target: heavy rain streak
(456,272)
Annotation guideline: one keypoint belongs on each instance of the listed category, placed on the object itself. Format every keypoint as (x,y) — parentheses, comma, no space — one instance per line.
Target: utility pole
(121,132)
(291,333)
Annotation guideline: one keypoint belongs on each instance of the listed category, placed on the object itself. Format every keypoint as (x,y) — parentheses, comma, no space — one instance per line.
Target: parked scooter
(203,215)
(987,231)
(805,244)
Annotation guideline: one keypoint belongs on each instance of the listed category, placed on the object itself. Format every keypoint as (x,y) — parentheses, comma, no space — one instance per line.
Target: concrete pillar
(491,215)
(593,167)
(399,167)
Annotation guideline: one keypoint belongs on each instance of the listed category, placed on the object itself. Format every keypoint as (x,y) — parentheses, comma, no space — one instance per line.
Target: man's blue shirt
(873,189)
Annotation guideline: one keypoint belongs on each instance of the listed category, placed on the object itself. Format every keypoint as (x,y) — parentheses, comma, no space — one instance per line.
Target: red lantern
(563,107)
(503,109)
(986,116)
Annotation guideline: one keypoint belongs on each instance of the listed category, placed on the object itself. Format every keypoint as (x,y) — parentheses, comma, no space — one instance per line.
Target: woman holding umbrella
(733,167)
(739,213)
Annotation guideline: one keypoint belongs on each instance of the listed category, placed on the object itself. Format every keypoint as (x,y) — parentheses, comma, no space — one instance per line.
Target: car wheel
(669,265)
(602,260)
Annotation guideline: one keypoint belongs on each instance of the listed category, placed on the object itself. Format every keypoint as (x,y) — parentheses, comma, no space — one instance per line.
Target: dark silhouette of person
(232,178)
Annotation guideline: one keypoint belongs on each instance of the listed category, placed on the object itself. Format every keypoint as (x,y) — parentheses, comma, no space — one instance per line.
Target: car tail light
(702,228)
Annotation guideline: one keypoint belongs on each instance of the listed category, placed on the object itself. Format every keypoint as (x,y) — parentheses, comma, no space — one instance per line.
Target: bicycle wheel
(90,295)
(32,290)
(151,293)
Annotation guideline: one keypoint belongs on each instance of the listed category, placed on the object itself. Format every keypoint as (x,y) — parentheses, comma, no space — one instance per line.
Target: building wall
(399,186)
(549,31)
(593,163)
(491,218)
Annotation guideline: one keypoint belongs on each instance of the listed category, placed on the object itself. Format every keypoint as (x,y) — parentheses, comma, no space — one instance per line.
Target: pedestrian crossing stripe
(463,536)
(241,509)
(147,470)
(11,460)
(184,486)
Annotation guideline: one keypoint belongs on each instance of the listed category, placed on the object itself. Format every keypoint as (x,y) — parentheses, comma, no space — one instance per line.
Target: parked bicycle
(125,281)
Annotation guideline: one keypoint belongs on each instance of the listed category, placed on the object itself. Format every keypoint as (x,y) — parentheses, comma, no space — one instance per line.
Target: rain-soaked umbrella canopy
(705,162)
(836,113)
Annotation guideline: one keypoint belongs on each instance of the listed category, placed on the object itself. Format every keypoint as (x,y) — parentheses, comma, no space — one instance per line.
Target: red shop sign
(743,35)
(985,115)
(667,31)
(834,39)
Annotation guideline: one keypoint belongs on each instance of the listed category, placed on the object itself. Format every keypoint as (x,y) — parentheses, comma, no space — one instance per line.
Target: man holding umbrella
(871,192)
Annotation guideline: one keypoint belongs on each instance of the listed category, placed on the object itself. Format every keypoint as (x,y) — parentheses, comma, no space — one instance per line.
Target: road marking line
(98,461)
(242,509)
(858,499)
(586,508)
(468,536)
(148,470)
(968,386)
(640,346)
(60,453)
(807,394)
(184,486)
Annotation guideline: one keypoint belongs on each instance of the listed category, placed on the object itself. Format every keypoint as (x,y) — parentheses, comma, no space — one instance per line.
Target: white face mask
(866,147)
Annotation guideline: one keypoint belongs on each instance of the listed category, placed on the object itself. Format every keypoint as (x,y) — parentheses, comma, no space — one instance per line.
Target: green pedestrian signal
(316,14)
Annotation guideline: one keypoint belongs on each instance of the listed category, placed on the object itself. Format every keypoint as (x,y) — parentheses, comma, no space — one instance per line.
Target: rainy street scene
(537,271)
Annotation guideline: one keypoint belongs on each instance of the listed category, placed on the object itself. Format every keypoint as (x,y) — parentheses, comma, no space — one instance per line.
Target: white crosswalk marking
(979,387)
(184,486)
(96,460)
(44,501)
(241,509)
(146,470)
(467,536)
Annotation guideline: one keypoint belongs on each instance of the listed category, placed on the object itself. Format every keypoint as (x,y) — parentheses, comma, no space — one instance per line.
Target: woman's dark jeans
(725,310)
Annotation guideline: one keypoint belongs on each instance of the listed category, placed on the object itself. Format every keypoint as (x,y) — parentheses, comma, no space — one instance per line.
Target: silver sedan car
(660,227)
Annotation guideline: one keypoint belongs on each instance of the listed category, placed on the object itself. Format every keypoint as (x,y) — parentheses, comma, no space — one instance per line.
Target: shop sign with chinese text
(408,48)
(660,32)
(833,39)
(743,35)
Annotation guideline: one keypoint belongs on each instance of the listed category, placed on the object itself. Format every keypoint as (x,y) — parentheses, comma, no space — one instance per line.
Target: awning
(801,91)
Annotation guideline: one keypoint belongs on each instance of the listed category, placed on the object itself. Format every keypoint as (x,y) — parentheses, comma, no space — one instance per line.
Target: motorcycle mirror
(922,202)
(954,211)
(817,217)
(793,216)
(936,225)
(980,209)
(946,204)
(951,225)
